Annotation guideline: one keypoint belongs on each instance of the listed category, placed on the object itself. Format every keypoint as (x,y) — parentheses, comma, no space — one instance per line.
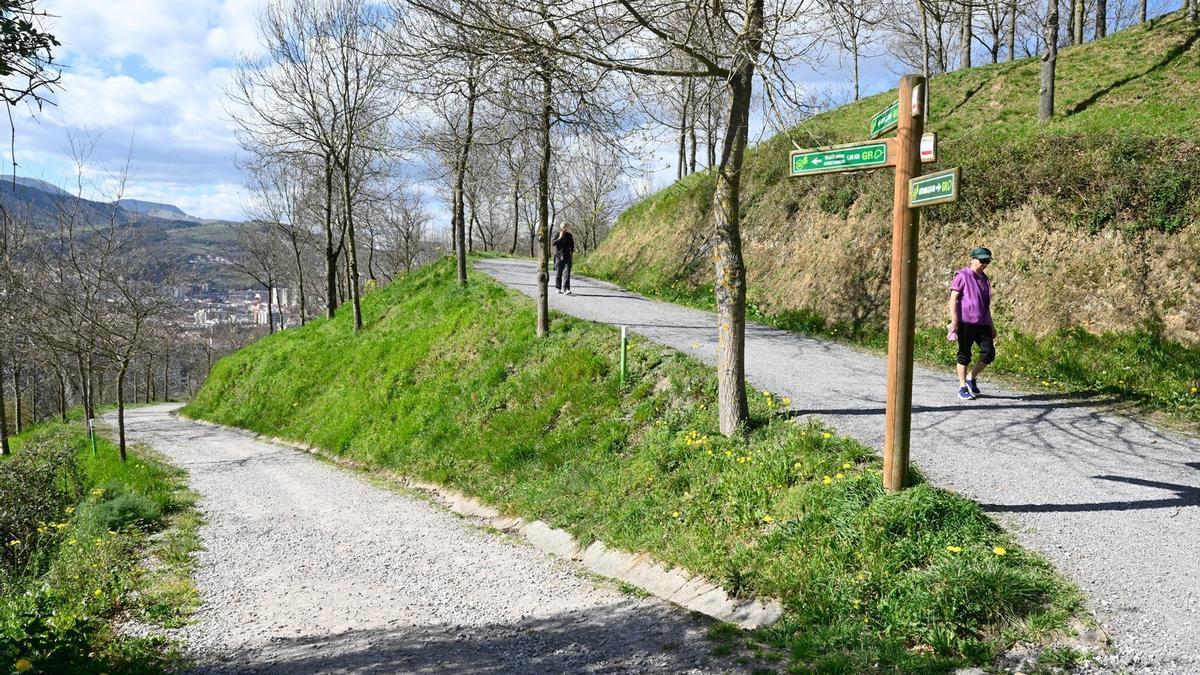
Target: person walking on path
(971,321)
(564,251)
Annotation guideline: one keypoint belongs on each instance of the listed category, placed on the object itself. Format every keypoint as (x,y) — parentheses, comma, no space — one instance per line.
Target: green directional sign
(886,120)
(843,158)
(935,188)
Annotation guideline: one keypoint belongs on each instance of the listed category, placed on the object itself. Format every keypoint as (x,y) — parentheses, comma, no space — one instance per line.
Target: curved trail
(308,568)
(1113,502)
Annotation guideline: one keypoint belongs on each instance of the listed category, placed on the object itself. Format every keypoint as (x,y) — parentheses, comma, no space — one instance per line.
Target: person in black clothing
(564,251)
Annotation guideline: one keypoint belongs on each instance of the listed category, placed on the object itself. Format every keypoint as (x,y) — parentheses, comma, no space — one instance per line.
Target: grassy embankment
(450,385)
(90,544)
(1093,219)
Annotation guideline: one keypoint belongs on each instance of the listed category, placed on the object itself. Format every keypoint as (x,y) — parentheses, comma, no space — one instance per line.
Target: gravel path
(308,568)
(1113,502)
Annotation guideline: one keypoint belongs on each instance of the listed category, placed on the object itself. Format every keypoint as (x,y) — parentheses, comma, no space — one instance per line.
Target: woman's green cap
(981,253)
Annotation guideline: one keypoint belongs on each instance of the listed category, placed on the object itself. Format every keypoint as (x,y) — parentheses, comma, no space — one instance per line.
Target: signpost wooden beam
(905,153)
(902,319)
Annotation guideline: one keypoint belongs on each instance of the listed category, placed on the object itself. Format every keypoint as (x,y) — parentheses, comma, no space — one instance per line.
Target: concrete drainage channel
(687,590)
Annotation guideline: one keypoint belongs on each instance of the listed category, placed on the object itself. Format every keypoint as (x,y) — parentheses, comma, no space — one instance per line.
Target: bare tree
(323,91)
(852,22)
(279,186)
(259,256)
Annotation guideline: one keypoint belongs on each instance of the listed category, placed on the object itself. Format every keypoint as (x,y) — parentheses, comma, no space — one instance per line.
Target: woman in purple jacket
(971,320)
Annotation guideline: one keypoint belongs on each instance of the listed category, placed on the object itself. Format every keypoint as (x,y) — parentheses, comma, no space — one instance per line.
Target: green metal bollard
(624,348)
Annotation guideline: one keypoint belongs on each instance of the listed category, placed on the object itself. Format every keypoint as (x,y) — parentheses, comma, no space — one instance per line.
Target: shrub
(129,509)
(38,484)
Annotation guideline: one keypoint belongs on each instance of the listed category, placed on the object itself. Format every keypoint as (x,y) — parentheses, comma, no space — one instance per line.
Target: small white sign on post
(928,148)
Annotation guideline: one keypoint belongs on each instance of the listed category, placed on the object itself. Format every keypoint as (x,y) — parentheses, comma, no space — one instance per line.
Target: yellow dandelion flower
(840,476)
(768,519)
(787,401)
(796,466)
(846,465)
(861,577)
(954,549)
(1194,390)
(15,542)
(98,593)
(675,514)
(827,480)
(72,542)
(23,665)
(856,603)
(710,451)
(60,526)
(827,435)
(70,509)
(999,550)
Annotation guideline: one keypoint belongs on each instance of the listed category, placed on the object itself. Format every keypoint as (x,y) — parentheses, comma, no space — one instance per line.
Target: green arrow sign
(935,188)
(844,158)
(886,120)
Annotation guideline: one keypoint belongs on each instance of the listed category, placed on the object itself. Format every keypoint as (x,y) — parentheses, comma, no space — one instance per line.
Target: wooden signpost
(905,153)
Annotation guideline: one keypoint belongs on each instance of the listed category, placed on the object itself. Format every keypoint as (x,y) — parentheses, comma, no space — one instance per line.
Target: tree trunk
(925,49)
(300,282)
(149,379)
(730,283)
(543,306)
(854,56)
(4,449)
(460,179)
(1193,11)
(167,375)
(516,195)
(967,35)
(681,167)
(1142,11)
(1078,22)
(1049,61)
(270,307)
(121,409)
(1101,18)
(1012,31)
(18,405)
(62,395)
(331,254)
(352,257)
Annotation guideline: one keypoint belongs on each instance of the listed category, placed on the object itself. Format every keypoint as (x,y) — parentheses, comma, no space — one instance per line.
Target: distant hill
(156,210)
(174,234)
(1093,218)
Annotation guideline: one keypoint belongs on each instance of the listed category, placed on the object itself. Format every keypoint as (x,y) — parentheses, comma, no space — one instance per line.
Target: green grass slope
(450,385)
(1092,219)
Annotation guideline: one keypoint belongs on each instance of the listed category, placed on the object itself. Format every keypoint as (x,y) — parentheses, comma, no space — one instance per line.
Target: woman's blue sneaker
(975,393)
(965,394)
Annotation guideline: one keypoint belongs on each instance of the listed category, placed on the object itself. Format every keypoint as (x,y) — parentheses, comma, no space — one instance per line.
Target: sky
(142,86)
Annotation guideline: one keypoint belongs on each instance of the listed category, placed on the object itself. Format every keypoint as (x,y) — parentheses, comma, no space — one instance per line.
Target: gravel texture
(1113,502)
(308,568)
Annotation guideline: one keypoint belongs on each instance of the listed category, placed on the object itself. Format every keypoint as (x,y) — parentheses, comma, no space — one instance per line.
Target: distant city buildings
(245,307)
